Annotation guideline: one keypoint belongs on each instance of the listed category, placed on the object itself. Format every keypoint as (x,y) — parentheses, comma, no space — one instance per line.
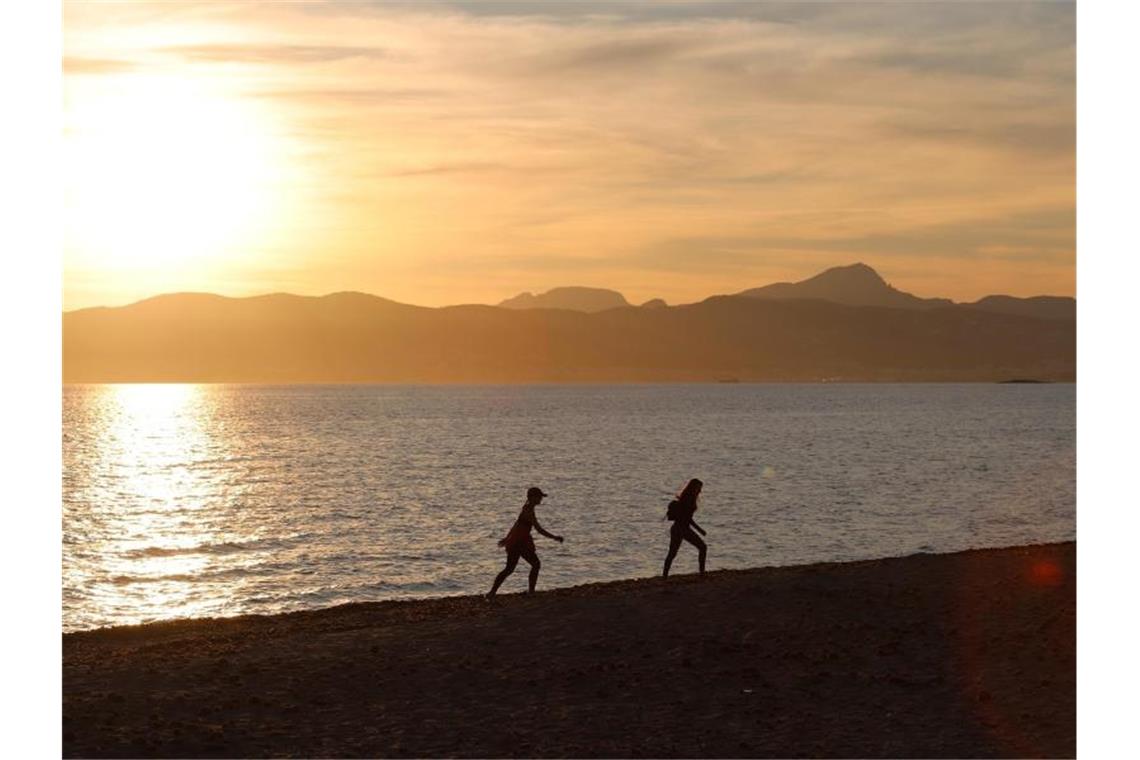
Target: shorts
(524,548)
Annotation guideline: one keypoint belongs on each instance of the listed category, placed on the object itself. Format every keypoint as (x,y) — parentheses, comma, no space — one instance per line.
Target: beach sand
(957,655)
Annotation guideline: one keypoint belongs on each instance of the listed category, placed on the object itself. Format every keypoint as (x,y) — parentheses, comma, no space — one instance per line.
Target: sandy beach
(958,655)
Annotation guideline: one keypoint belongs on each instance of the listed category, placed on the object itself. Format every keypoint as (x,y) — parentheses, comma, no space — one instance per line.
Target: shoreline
(563,383)
(332,609)
(964,654)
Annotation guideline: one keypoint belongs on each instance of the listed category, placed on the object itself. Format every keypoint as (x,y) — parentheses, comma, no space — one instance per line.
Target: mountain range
(773,336)
(853,285)
(588,300)
(575,298)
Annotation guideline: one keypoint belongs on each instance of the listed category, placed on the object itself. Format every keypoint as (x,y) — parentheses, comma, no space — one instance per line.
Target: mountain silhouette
(853,285)
(1043,307)
(354,337)
(589,300)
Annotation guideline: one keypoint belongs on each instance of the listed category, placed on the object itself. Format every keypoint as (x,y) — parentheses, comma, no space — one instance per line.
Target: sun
(165,172)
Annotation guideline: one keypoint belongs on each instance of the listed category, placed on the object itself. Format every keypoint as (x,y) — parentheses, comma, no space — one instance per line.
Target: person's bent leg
(535,566)
(702,548)
(512,561)
(674,545)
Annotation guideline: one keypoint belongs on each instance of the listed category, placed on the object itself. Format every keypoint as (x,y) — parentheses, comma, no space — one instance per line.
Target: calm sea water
(188,501)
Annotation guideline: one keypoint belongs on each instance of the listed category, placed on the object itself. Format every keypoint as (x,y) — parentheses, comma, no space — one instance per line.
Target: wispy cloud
(668,148)
(80,65)
(1053,138)
(350,96)
(273,54)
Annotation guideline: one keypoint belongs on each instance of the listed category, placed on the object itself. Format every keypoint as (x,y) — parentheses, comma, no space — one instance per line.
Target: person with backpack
(681,511)
(518,542)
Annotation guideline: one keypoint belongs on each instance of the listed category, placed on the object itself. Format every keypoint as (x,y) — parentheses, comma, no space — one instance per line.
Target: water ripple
(223,500)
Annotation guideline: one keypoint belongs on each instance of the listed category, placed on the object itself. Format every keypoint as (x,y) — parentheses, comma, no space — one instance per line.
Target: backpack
(673,511)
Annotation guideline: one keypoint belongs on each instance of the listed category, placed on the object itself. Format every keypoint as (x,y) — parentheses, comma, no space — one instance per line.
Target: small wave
(357,592)
(126,580)
(221,547)
(258,570)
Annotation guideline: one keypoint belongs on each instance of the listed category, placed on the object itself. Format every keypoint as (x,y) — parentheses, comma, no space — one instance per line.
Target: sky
(445,153)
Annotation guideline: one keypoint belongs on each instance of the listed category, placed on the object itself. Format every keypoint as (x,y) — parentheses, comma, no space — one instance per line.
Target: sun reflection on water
(214,500)
(144,444)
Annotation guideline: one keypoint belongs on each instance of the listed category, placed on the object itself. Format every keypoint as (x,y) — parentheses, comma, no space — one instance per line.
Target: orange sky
(441,153)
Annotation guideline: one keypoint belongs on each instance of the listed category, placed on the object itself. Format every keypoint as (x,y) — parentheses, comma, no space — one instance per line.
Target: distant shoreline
(353,337)
(966,654)
(556,383)
(193,621)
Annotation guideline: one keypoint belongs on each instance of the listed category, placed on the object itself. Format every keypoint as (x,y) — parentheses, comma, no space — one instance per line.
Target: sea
(220,500)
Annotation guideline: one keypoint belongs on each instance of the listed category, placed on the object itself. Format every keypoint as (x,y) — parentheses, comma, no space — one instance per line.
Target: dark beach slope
(957,655)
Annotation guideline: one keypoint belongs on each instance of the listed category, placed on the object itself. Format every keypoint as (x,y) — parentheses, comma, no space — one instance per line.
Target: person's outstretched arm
(543,531)
(699,528)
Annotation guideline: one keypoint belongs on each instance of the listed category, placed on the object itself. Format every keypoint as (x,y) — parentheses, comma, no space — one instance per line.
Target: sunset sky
(443,153)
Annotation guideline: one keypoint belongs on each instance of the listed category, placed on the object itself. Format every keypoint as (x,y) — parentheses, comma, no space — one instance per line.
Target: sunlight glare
(165,171)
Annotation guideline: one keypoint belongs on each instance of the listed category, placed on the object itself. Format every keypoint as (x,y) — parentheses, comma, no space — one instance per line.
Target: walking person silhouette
(681,512)
(518,541)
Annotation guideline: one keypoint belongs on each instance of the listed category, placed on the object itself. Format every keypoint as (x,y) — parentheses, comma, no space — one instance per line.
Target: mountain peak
(571,298)
(854,285)
(857,275)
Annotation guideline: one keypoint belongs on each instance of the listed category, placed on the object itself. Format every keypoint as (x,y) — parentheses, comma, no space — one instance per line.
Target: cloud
(984,63)
(1046,234)
(579,11)
(351,96)
(1056,138)
(692,142)
(273,54)
(80,65)
(469,168)
(612,56)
